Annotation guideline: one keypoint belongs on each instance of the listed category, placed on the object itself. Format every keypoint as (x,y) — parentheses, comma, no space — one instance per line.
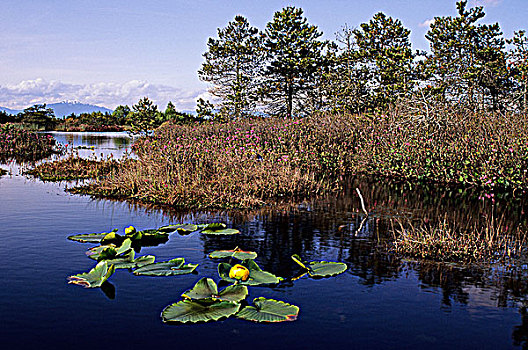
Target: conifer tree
(232,64)
(467,62)
(385,50)
(295,62)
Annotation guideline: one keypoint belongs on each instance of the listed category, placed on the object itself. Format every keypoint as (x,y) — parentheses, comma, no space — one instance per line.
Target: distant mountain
(62,109)
(9,110)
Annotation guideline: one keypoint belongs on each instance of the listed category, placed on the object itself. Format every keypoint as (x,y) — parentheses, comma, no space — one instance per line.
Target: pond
(379,303)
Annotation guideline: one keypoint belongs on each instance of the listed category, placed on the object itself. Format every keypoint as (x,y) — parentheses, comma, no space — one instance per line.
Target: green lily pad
(235,253)
(319,269)
(219,229)
(135,263)
(269,310)
(206,288)
(172,267)
(145,237)
(182,229)
(256,275)
(112,237)
(95,277)
(189,311)
(126,257)
(107,252)
(90,237)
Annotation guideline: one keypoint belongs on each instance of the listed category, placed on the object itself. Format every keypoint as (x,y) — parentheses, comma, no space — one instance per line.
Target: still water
(379,303)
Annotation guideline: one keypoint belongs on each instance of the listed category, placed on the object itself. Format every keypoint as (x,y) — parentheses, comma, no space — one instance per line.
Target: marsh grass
(247,163)
(25,146)
(447,241)
(73,167)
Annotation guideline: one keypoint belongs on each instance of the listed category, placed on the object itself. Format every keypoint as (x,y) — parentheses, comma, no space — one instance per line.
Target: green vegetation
(143,117)
(369,69)
(203,302)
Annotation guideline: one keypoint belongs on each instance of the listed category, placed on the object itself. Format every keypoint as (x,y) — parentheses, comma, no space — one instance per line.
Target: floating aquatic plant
(190,311)
(256,275)
(235,253)
(206,289)
(269,310)
(90,237)
(95,277)
(145,237)
(111,251)
(219,229)
(320,268)
(171,267)
(182,229)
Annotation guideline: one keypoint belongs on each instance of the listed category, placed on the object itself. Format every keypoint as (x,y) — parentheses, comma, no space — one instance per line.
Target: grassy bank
(247,163)
(24,145)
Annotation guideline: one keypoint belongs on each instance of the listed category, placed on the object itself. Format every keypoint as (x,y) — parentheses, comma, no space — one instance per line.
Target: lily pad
(107,252)
(90,237)
(319,269)
(95,277)
(145,237)
(123,258)
(235,253)
(172,267)
(206,288)
(189,311)
(182,229)
(269,310)
(112,237)
(219,229)
(135,263)
(256,275)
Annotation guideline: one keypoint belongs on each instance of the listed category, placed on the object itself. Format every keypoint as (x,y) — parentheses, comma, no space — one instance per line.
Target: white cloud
(30,92)
(427,23)
(486,2)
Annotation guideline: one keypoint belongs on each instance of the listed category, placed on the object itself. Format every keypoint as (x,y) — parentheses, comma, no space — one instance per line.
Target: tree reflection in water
(327,228)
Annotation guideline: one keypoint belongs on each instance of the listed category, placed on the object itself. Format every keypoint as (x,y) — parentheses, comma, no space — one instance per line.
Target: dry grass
(253,162)
(72,168)
(448,242)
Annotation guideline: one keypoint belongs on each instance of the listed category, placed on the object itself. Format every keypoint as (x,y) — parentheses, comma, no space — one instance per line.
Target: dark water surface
(379,303)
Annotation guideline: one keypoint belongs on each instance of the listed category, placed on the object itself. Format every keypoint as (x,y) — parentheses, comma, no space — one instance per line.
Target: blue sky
(110,52)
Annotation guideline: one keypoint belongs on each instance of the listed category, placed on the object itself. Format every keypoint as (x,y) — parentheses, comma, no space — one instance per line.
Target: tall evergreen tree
(346,82)
(518,58)
(467,59)
(39,115)
(385,49)
(232,65)
(144,116)
(295,61)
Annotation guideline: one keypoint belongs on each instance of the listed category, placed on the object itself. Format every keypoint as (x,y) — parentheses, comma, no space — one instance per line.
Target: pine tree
(467,59)
(518,58)
(385,50)
(295,62)
(232,65)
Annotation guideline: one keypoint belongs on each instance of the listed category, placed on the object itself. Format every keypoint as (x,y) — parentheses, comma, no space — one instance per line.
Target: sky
(112,52)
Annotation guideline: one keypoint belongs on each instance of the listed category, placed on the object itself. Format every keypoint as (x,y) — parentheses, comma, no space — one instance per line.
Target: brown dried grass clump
(448,242)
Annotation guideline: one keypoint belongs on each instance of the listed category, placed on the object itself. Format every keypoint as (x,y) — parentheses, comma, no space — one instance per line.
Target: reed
(447,241)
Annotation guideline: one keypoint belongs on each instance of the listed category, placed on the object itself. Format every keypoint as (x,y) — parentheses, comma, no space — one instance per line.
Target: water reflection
(334,228)
(105,143)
